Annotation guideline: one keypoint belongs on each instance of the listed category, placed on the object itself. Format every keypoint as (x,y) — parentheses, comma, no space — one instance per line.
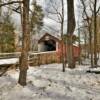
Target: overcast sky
(49,24)
(46,4)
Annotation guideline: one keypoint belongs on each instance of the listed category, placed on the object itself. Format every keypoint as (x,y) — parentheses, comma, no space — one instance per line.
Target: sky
(49,24)
(52,23)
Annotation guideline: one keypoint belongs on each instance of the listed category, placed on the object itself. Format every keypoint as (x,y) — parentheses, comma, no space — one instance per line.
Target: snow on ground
(9,61)
(48,82)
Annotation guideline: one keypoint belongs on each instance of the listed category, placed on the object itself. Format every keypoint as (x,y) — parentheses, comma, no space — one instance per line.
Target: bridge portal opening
(49,45)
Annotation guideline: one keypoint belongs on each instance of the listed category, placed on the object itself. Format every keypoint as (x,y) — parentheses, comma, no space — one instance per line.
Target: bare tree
(88,16)
(95,33)
(88,20)
(26,37)
(70,30)
(62,37)
(25,43)
(60,16)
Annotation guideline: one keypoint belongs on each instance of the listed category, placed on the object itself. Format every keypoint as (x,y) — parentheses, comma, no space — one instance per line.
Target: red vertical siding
(76,51)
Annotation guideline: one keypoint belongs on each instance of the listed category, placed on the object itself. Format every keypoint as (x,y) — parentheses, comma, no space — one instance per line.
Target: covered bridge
(50,42)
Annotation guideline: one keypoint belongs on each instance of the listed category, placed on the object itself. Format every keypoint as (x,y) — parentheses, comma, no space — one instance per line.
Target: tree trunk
(86,48)
(91,48)
(25,44)
(70,56)
(63,45)
(95,34)
(70,30)
(79,44)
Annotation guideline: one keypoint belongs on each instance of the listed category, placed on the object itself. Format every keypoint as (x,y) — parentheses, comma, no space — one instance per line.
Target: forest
(49,49)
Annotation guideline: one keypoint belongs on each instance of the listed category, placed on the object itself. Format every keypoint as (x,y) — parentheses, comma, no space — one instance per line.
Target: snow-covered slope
(48,82)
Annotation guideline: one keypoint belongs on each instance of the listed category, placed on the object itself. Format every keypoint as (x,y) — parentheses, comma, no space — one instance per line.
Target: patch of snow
(41,83)
(9,61)
(48,82)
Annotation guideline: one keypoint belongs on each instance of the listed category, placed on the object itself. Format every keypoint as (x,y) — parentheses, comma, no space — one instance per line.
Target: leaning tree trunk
(70,30)
(25,44)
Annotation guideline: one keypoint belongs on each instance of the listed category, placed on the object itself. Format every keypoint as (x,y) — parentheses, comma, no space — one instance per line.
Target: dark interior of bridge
(50,45)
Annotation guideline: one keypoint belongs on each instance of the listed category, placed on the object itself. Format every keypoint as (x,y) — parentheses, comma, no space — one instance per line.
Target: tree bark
(95,34)
(70,30)
(25,44)
(63,45)
(79,45)
(90,43)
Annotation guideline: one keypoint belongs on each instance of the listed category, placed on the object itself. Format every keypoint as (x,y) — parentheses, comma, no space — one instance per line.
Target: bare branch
(82,1)
(91,7)
(14,9)
(9,3)
(59,15)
